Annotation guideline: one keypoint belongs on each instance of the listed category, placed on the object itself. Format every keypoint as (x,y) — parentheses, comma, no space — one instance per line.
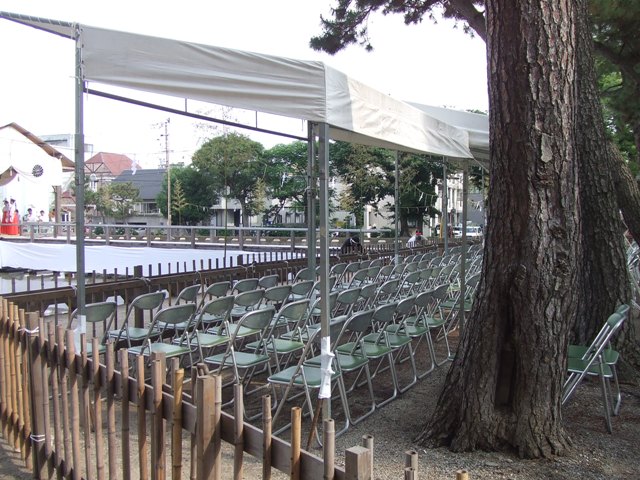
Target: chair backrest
(305,274)
(188,294)
(148,301)
(218,289)
(175,314)
(338,269)
(277,294)
(303,287)
(257,319)
(249,299)
(613,323)
(385,313)
(268,281)
(218,307)
(95,312)
(245,285)
(295,313)
(345,300)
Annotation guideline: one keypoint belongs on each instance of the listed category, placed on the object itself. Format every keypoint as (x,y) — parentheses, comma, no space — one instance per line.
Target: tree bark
(504,387)
(604,283)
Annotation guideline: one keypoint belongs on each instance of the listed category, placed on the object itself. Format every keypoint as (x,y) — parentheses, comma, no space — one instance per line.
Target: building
(31,171)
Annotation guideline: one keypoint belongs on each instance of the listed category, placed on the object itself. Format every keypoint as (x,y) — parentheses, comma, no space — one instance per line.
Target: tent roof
(475,124)
(65,162)
(309,90)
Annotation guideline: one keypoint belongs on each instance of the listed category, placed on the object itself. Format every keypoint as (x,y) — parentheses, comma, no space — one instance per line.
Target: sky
(434,64)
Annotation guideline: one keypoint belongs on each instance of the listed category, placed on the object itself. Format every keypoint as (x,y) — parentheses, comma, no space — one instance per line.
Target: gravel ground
(596,454)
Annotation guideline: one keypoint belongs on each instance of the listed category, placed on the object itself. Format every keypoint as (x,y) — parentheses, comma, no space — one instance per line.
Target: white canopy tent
(340,107)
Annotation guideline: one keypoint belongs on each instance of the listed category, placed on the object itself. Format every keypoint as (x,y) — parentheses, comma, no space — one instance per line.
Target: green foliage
(235,162)
(286,181)
(191,196)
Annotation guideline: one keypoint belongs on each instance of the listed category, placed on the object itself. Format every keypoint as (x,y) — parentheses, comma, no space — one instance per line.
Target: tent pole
(463,256)
(397,210)
(311,198)
(79,171)
(445,209)
(323,170)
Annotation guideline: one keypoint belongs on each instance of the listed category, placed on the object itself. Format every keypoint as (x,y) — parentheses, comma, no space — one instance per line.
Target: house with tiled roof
(103,167)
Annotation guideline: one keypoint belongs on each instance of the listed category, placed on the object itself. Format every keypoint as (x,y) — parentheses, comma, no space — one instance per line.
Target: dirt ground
(596,454)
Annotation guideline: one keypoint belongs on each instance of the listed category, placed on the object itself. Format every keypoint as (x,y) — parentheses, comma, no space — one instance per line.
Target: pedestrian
(4,228)
(351,245)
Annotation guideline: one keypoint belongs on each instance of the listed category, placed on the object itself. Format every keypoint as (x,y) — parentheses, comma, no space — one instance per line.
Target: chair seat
(169,350)
(609,355)
(134,333)
(348,363)
(409,330)
(312,374)
(577,365)
(205,340)
(243,359)
(242,331)
(279,345)
(370,350)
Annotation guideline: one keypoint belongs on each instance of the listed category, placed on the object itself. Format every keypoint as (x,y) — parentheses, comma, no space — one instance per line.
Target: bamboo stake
(75,408)
(217,427)
(124,394)
(37,381)
(329,448)
(194,438)
(367,441)
(20,379)
(86,405)
(176,427)
(238,431)
(157,428)
(411,461)
(55,395)
(266,437)
(66,410)
(111,408)
(3,367)
(14,384)
(204,427)
(97,405)
(296,427)
(142,420)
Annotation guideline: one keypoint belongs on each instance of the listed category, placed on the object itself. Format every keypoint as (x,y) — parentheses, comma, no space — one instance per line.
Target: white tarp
(99,258)
(309,90)
(475,124)
(27,173)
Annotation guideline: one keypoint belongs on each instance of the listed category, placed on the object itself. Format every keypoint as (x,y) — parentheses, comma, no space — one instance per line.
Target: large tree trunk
(504,387)
(606,189)
(604,283)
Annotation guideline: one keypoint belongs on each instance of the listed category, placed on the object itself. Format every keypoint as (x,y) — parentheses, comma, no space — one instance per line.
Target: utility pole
(166,154)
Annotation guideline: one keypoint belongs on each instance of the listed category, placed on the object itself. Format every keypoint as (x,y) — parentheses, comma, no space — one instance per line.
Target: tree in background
(198,196)
(286,181)
(617,44)
(232,161)
(367,173)
(121,197)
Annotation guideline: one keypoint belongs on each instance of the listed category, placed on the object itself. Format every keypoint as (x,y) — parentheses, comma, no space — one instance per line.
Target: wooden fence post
(296,436)
(329,448)
(357,463)
(238,433)
(205,392)
(266,437)
(37,398)
(157,424)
